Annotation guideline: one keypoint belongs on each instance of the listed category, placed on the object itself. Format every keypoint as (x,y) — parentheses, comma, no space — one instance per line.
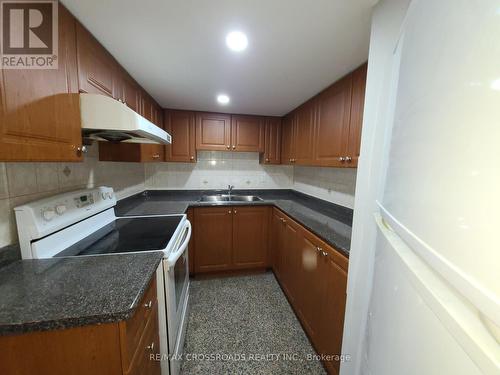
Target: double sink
(229,198)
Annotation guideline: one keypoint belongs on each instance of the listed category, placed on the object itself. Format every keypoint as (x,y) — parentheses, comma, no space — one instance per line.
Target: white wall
(24,182)
(386,23)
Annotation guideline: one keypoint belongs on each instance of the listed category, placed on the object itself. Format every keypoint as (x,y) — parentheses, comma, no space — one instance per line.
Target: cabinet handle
(148,305)
(151,346)
(319,249)
(156,156)
(324,253)
(81,150)
(234,147)
(192,158)
(228,147)
(348,159)
(235,211)
(229,212)
(342,159)
(267,160)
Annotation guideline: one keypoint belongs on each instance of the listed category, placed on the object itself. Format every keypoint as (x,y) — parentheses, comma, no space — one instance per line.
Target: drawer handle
(324,253)
(148,305)
(156,156)
(319,249)
(151,347)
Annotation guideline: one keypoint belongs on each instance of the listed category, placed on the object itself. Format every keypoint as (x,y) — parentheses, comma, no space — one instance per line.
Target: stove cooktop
(125,235)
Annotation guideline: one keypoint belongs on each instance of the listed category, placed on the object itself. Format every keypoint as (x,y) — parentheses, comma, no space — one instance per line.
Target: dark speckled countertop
(58,293)
(331,222)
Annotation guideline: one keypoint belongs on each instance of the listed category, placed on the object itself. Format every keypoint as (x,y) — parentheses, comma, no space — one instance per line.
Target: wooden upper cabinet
(181,126)
(333,107)
(304,134)
(250,236)
(288,139)
(131,94)
(96,67)
(39,121)
(272,144)
(247,133)
(357,108)
(146,107)
(213,238)
(213,132)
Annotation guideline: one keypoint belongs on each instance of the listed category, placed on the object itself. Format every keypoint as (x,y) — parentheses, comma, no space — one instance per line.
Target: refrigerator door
(438,260)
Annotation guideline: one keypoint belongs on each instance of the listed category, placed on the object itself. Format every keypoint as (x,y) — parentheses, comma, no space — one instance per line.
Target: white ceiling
(176,48)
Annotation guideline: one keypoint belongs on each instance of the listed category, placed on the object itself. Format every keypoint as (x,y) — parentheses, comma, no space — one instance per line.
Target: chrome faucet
(229,189)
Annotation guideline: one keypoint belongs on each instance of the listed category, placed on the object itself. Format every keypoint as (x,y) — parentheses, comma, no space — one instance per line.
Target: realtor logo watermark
(29,34)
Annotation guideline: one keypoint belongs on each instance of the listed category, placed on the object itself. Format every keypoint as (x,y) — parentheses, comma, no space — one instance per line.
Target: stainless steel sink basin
(245,198)
(229,198)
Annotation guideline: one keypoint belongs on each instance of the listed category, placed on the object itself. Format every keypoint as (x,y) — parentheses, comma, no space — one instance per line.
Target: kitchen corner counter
(331,222)
(58,293)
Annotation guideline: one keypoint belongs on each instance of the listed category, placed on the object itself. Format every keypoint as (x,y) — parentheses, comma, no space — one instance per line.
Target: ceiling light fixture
(237,41)
(223,99)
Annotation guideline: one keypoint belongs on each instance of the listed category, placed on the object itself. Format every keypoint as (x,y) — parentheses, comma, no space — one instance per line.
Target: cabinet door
(38,119)
(250,236)
(288,139)
(332,310)
(356,121)
(131,93)
(272,148)
(310,293)
(304,134)
(96,67)
(213,132)
(181,126)
(289,259)
(151,152)
(247,133)
(213,238)
(276,241)
(332,124)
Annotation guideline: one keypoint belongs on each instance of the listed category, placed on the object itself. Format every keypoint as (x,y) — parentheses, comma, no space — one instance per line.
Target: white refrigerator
(434,303)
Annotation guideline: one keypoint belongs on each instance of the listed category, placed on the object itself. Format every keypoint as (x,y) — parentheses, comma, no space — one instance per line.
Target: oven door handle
(172,258)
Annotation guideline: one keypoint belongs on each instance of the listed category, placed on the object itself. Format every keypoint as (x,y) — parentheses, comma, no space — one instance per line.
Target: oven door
(176,270)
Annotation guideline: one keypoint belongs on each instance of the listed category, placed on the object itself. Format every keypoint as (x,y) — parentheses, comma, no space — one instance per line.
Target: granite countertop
(56,293)
(331,222)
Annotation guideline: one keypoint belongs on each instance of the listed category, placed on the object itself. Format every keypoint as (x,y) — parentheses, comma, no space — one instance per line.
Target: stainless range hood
(106,119)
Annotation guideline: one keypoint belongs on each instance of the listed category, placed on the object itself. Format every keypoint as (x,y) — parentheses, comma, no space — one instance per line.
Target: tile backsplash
(217,170)
(24,182)
(335,185)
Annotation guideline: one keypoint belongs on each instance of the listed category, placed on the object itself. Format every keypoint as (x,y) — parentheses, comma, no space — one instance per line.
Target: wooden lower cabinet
(213,238)
(230,238)
(101,349)
(313,276)
(250,231)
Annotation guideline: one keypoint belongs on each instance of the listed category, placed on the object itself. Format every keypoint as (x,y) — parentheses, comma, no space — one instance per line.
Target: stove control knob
(103,195)
(60,209)
(110,195)
(48,214)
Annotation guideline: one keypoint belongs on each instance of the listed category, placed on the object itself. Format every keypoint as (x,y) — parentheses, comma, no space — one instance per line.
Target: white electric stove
(83,223)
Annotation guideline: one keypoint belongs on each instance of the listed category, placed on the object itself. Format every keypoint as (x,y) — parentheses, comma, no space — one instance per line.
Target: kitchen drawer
(142,361)
(133,329)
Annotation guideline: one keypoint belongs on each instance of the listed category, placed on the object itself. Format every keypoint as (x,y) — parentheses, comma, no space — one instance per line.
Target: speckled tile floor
(240,318)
